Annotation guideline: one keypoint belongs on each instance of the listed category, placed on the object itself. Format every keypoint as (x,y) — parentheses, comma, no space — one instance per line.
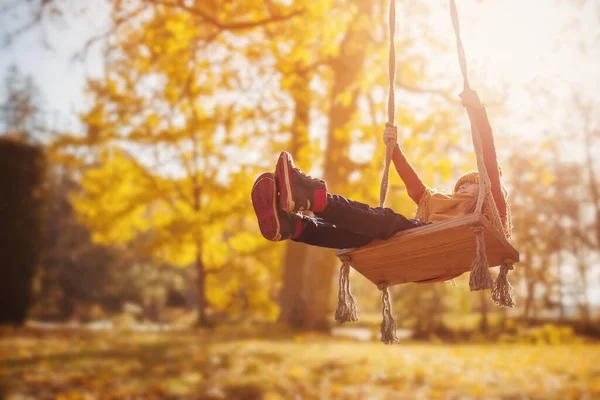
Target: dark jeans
(347,223)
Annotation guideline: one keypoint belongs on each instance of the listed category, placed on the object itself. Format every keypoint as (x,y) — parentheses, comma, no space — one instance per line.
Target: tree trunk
(595,194)
(503,319)
(561,303)
(201,282)
(316,288)
(439,309)
(483,321)
(347,69)
(529,302)
(584,299)
(593,183)
(291,304)
(530,286)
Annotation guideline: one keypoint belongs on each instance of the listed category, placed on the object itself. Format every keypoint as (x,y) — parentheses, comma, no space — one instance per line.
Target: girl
(339,223)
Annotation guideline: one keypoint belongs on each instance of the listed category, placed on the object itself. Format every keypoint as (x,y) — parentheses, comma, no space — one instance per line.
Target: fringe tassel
(388,325)
(502,293)
(480,274)
(346,307)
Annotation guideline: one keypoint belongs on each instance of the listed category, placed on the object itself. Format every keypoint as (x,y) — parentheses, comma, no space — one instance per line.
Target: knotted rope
(480,274)
(502,292)
(346,307)
(388,324)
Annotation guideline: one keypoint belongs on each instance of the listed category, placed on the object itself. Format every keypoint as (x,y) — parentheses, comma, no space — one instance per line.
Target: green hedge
(22,203)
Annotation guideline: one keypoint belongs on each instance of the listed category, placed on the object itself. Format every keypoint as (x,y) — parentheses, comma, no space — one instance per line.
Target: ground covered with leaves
(79,364)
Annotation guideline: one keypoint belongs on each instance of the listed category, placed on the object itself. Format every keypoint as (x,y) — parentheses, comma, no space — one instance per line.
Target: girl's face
(468,187)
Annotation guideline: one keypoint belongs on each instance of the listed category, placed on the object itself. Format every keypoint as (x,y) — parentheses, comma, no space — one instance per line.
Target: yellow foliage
(344,98)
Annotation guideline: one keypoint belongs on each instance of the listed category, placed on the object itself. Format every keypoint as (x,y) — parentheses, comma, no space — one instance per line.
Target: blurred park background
(131,133)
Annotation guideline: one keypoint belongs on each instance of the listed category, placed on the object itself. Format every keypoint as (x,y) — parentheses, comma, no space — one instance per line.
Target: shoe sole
(264,201)
(284,181)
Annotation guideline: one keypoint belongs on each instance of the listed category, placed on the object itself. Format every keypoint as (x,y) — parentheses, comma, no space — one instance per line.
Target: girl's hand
(390,133)
(470,99)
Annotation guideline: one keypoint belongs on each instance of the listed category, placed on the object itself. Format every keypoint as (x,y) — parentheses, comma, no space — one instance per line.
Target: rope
(389,150)
(392,63)
(459,45)
(502,292)
(385,178)
(346,308)
(484,180)
(388,324)
(485,185)
(480,276)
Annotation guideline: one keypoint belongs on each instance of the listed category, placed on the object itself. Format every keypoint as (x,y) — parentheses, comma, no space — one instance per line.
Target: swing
(434,252)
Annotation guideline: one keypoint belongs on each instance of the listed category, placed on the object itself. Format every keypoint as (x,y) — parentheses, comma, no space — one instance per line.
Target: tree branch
(176,185)
(37,17)
(80,55)
(232,26)
(150,179)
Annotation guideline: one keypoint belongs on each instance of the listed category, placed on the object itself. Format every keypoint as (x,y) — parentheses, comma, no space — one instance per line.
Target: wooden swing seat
(433,252)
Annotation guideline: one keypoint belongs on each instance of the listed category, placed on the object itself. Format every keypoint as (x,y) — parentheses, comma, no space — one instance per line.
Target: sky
(509,43)
(512,42)
(61,78)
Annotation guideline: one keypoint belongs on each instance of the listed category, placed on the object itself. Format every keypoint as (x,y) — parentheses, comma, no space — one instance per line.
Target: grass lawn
(77,364)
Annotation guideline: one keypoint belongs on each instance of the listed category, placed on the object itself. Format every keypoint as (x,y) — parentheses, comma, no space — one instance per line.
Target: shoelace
(298,170)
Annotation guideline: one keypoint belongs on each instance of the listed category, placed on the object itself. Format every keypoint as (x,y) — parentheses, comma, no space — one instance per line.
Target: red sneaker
(274,223)
(298,191)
